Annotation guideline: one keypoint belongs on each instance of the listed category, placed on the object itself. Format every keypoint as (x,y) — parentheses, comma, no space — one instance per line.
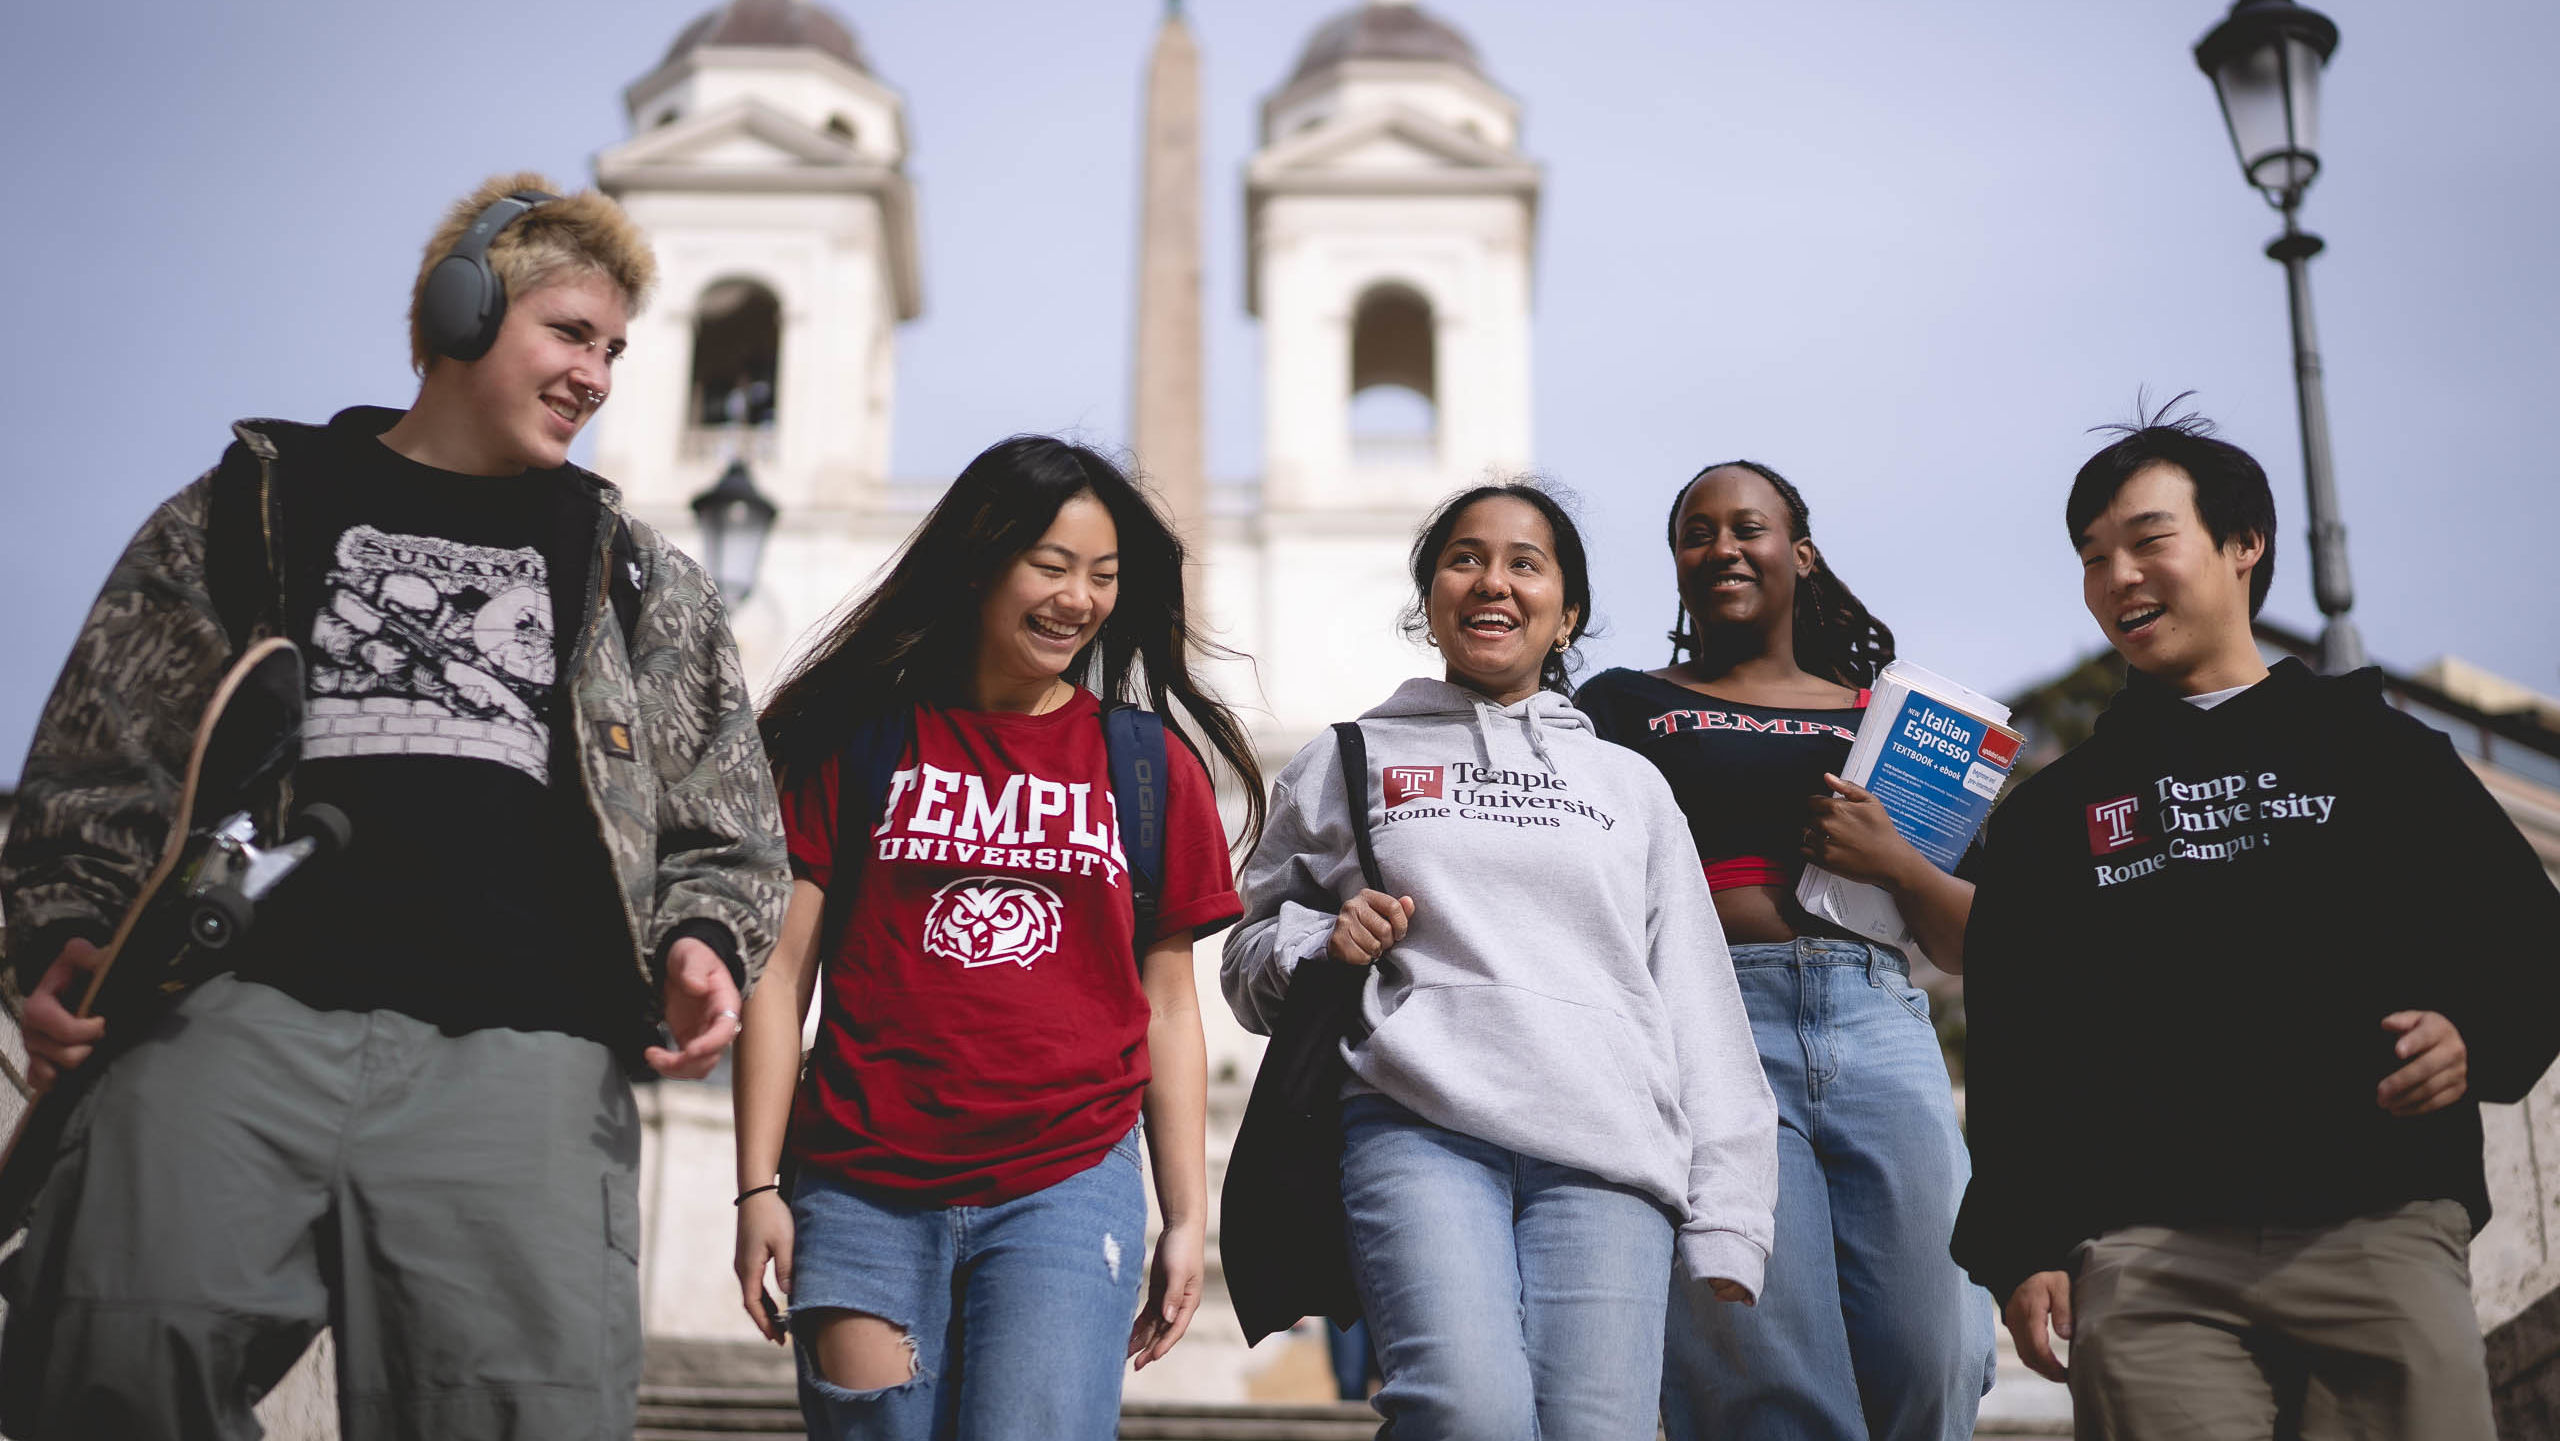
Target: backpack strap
(239,574)
(1134,740)
(623,584)
(1354,747)
(864,770)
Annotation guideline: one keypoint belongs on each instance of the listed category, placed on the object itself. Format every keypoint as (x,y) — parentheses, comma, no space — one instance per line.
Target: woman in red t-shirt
(961,1226)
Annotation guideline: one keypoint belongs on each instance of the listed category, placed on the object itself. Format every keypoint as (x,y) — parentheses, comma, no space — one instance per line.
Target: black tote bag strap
(1354,747)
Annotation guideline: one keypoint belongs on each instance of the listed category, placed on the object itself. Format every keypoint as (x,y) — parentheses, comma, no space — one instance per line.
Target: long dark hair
(914,638)
(1836,638)
(1556,672)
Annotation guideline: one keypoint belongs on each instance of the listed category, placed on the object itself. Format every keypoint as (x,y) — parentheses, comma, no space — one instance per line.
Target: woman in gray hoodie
(1556,1100)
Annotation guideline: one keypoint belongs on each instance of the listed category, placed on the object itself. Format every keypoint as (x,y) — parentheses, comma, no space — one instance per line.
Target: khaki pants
(2360,1329)
(462,1210)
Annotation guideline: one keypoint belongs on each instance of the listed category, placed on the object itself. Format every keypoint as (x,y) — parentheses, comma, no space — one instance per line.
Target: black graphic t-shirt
(437,613)
(1742,773)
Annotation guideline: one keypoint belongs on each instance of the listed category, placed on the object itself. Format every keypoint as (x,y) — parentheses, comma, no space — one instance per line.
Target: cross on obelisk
(1167,399)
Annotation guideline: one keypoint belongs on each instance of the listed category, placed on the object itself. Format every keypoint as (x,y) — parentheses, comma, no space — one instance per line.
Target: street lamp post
(735,516)
(2265,60)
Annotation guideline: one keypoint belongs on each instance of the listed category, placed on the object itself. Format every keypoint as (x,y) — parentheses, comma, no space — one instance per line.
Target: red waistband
(1726,872)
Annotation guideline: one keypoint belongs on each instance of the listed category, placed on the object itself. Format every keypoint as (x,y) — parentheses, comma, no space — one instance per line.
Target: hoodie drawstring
(1529,719)
(1538,740)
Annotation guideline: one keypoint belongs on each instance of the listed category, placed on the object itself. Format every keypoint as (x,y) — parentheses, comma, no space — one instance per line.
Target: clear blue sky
(1907,254)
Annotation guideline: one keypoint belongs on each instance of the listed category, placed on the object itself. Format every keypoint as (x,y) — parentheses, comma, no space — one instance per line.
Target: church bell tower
(1391,227)
(767,164)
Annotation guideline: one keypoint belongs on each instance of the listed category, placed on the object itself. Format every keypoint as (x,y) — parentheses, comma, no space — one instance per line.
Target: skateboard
(200,897)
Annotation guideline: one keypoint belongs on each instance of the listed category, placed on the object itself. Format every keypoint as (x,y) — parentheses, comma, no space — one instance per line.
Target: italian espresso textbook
(1935,754)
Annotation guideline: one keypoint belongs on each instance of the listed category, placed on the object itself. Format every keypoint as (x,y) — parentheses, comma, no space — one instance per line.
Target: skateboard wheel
(220,915)
(327,827)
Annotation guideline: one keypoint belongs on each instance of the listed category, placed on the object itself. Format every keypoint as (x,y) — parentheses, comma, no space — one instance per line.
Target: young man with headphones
(405,1113)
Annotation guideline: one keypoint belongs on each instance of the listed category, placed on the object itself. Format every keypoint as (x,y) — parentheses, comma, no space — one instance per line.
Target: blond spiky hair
(585,231)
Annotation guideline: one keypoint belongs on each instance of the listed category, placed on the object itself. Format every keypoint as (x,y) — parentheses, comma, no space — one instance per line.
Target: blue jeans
(1018,1313)
(1348,1347)
(1865,1329)
(1510,1299)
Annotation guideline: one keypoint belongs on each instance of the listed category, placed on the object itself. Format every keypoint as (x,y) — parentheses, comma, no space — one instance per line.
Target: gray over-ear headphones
(464,302)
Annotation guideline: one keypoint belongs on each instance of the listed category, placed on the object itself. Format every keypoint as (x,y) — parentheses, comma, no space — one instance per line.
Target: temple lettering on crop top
(1742,773)
(983,1033)
(1673,722)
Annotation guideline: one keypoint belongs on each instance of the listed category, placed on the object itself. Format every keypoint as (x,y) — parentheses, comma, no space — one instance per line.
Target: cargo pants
(2322,1333)
(462,1210)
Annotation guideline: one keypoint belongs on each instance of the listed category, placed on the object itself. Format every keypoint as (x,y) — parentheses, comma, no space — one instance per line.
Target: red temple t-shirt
(982,1030)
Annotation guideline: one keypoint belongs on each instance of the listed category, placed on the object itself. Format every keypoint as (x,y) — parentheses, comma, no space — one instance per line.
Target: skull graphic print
(983,920)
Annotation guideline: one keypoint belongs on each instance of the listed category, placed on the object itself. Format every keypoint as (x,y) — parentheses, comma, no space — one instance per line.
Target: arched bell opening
(737,355)
(1395,386)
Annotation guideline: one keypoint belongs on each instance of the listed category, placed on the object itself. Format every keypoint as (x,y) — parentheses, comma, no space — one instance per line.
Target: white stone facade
(782,168)
(2515,1260)
(1398,176)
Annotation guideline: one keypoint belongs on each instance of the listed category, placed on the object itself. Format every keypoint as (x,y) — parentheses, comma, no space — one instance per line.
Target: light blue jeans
(1018,1312)
(1865,1328)
(1510,1299)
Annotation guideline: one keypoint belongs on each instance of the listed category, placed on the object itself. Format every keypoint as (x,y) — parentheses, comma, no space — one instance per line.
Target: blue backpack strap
(863,772)
(1134,739)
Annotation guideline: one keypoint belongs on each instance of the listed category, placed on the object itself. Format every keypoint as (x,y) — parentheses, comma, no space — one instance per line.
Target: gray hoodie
(1564,991)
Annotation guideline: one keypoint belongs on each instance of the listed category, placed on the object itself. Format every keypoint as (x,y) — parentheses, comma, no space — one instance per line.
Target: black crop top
(1741,773)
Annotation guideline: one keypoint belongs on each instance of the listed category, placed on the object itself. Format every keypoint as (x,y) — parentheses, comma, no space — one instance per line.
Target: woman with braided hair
(1866,1328)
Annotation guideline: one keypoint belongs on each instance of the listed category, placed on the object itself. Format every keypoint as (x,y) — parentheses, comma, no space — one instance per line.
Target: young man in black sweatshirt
(2240,970)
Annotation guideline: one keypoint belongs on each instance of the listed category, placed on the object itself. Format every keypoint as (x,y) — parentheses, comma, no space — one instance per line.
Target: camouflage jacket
(668,755)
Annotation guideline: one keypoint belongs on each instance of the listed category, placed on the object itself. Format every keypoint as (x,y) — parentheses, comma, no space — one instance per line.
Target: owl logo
(986,919)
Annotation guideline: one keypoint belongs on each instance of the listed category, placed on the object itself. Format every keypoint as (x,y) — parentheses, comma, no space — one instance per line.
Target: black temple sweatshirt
(2187,933)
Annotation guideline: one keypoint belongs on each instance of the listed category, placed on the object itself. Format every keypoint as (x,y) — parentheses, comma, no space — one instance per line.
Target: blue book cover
(1935,755)
(1938,773)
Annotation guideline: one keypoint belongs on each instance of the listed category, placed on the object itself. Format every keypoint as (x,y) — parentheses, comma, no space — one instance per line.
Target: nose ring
(594,397)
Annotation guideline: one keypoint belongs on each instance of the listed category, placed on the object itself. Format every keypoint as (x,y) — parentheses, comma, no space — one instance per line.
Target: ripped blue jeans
(1018,1313)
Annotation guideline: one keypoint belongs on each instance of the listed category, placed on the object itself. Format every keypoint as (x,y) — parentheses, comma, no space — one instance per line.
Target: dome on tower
(779,23)
(1385,30)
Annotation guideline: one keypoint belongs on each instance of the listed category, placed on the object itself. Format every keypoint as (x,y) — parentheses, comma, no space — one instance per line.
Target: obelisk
(1167,389)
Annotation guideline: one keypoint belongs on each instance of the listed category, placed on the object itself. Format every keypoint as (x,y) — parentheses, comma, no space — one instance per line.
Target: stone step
(717,1413)
(1211,1421)
(730,1413)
